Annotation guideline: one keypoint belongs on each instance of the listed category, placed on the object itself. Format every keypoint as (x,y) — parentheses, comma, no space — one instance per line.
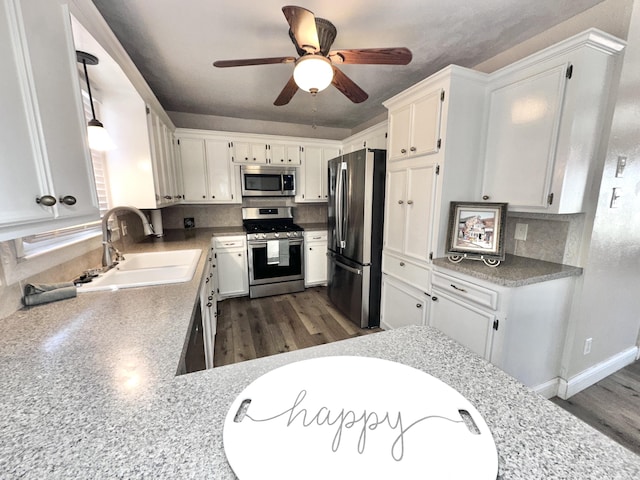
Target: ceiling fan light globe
(313,73)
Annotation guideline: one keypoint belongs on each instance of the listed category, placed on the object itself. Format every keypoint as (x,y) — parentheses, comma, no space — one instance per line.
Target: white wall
(609,307)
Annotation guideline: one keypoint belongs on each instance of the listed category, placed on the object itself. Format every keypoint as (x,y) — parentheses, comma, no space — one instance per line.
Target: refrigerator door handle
(340,217)
(357,271)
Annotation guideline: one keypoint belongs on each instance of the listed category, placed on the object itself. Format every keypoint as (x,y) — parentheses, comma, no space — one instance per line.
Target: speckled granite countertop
(89,391)
(514,271)
(313,226)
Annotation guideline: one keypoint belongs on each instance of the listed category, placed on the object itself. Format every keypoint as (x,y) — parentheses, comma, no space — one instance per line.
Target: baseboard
(592,375)
(548,389)
(385,326)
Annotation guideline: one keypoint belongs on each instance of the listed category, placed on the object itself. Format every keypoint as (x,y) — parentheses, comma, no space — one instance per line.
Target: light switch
(521,231)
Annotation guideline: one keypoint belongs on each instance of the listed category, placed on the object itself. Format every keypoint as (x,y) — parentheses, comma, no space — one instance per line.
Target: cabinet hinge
(430,255)
(437,169)
(496,323)
(386,135)
(550,199)
(178,141)
(442,96)
(215,255)
(147,110)
(570,71)
(439,142)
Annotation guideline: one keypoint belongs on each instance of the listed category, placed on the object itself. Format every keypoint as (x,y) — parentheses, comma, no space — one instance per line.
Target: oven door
(261,272)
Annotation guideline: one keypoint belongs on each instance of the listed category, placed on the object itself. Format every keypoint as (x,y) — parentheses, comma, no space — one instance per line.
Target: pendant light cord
(86,77)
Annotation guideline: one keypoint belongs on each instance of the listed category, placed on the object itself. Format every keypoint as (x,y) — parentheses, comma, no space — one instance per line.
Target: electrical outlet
(587,346)
(521,231)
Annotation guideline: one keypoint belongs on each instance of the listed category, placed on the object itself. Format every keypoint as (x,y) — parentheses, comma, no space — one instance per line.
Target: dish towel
(38,293)
(273,252)
(284,253)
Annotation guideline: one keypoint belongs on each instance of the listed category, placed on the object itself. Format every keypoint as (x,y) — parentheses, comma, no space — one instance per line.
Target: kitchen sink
(145,269)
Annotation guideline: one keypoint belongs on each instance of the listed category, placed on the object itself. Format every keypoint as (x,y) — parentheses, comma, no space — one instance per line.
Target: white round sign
(356,417)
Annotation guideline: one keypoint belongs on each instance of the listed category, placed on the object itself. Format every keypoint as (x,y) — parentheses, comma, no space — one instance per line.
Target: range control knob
(288,234)
(277,234)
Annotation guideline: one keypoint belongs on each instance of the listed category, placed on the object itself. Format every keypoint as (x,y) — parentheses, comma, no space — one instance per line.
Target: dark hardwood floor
(253,328)
(611,406)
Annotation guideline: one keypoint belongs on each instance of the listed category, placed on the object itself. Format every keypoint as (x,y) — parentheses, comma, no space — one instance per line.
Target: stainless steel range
(275,250)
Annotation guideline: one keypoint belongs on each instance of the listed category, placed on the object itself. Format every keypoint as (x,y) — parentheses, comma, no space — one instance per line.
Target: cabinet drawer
(465,290)
(315,236)
(229,242)
(407,272)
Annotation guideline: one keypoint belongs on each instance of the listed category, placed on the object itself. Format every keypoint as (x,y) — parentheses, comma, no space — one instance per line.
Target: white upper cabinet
(415,127)
(283,154)
(372,137)
(544,124)
(249,153)
(43,151)
(165,169)
(207,172)
(314,175)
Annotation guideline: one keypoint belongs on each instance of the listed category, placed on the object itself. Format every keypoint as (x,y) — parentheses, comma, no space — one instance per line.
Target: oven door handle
(261,243)
(357,271)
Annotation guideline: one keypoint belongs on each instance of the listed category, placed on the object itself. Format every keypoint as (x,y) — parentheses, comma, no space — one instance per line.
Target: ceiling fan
(316,67)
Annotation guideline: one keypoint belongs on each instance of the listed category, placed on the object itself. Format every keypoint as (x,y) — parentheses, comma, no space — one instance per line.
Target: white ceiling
(174,43)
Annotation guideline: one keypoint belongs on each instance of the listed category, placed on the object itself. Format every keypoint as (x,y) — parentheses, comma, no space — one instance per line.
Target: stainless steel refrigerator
(355,221)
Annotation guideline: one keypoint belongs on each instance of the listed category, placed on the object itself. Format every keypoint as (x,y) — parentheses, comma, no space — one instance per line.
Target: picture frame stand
(489,262)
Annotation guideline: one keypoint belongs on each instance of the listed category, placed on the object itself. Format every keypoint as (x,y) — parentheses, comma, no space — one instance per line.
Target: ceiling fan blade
(287,93)
(302,23)
(372,56)
(253,61)
(348,87)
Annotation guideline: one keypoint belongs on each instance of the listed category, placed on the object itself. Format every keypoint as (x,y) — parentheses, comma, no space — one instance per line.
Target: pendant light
(98,136)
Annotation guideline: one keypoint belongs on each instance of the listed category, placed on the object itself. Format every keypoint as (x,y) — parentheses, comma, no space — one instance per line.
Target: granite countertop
(310,227)
(514,271)
(89,390)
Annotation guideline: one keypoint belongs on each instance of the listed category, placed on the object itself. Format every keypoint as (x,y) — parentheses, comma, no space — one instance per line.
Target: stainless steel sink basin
(145,269)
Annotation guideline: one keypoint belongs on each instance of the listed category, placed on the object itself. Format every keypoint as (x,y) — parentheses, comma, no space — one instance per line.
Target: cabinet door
(466,324)
(220,173)
(396,212)
(421,181)
(399,129)
(193,160)
(233,277)
(42,149)
(250,153)
(313,174)
(522,134)
(315,263)
(402,305)
(425,128)
(328,153)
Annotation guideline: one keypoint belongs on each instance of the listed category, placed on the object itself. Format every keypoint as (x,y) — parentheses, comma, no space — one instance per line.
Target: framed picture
(476,231)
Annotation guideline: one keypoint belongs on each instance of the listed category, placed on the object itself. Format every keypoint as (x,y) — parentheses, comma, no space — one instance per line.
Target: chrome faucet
(107,247)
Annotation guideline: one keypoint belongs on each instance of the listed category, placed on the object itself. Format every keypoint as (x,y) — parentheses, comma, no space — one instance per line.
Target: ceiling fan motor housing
(326,35)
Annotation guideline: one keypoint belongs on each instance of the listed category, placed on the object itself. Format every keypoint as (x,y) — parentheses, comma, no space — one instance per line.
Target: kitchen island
(89,390)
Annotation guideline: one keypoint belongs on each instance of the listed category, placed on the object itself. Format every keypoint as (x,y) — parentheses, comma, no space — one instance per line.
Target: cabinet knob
(418,305)
(413,149)
(68,200)
(402,264)
(210,297)
(403,150)
(239,254)
(485,197)
(167,197)
(410,202)
(400,202)
(435,299)
(46,200)
(209,304)
(254,159)
(310,248)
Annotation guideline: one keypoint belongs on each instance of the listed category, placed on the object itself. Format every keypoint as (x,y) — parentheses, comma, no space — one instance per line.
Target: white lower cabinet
(402,304)
(230,262)
(315,258)
(209,309)
(519,329)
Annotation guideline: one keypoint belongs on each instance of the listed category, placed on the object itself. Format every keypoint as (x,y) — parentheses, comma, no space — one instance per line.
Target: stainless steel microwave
(267,181)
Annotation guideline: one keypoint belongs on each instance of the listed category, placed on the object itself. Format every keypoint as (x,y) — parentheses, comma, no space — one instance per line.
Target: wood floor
(253,328)
(611,406)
